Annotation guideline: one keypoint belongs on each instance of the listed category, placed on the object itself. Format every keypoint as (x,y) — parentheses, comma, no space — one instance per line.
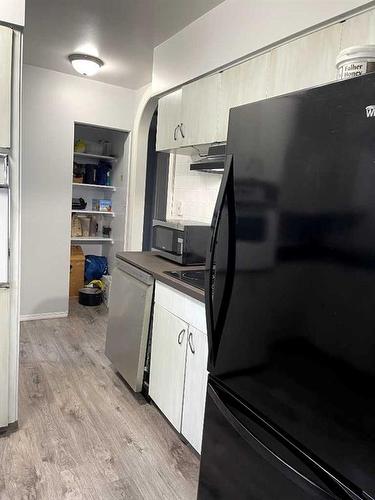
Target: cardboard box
(77,270)
(102,205)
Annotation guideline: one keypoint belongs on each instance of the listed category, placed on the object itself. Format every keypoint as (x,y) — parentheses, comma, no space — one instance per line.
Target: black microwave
(184,242)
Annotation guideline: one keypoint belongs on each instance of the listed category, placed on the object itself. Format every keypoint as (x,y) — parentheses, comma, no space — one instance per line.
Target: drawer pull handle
(191,344)
(175,132)
(181,336)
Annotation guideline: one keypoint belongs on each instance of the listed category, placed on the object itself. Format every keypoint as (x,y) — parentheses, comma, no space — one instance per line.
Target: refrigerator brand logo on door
(370,111)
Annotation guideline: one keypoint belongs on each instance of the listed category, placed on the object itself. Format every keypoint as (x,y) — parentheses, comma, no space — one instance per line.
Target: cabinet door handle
(190,342)
(175,132)
(181,336)
(182,130)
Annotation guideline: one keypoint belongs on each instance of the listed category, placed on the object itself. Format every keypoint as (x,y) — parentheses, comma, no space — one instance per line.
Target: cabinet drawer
(186,308)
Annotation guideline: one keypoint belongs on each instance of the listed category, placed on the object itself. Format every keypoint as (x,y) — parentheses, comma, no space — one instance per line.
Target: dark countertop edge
(156,265)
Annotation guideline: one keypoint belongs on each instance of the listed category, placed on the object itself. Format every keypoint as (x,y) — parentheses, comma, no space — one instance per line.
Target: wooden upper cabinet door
(242,84)
(167,370)
(305,62)
(199,118)
(358,30)
(169,117)
(6,39)
(195,387)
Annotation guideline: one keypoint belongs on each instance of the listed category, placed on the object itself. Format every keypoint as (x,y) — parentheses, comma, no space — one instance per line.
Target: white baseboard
(53,315)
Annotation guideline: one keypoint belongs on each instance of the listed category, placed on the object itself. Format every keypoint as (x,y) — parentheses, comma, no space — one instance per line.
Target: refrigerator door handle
(337,490)
(4,174)
(226,189)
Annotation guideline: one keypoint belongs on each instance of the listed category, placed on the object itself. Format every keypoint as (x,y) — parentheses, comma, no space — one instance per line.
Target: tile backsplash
(192,195)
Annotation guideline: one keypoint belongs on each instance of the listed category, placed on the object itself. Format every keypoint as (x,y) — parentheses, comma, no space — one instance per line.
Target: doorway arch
(137,170)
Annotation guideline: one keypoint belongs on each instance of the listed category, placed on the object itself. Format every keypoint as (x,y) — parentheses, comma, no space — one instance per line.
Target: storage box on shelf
(77,270)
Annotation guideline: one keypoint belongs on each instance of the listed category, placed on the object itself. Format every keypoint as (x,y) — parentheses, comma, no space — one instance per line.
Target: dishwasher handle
(135,272)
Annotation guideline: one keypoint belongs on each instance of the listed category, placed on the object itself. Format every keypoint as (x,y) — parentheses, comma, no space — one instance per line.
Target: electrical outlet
(179,208)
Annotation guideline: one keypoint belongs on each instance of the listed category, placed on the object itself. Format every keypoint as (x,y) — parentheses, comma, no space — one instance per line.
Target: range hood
(213,163)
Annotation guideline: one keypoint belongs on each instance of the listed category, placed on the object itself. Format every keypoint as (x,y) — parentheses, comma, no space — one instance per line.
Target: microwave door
(4,222)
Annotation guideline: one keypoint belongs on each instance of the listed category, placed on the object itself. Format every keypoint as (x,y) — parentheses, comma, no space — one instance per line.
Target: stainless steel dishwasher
(129,320)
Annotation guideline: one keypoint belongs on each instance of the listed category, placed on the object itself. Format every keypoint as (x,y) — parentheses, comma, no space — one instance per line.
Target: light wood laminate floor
(83,434)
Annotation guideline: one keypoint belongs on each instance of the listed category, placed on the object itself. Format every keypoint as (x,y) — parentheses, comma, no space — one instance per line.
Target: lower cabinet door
(195,387)
(167,370)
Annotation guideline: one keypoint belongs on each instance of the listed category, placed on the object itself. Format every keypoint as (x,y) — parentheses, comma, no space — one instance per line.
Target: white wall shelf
(93,212)
(96,157)
(92,239)
(94,186)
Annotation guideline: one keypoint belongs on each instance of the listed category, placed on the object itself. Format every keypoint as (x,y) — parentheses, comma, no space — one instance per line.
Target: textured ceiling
(121,32)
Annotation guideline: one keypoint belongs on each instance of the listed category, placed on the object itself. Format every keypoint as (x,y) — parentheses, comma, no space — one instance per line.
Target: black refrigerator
(290,301)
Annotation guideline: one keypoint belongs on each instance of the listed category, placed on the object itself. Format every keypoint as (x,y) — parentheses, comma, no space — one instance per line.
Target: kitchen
(112,404)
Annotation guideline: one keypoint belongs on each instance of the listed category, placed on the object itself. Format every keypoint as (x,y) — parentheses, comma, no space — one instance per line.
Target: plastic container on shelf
(355,61)
(90,173)
(76,230)
(95,148)
(85,224)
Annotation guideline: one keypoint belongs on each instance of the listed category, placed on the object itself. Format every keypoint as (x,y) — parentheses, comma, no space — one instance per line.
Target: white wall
(235,29)
(12,12)
(192,195)
(52,101)
(145,108)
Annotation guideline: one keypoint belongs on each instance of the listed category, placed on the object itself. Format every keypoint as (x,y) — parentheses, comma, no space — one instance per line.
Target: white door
(199,118)
(167,371)
(242,84)
(169,117)
(4,234)
(305,62)
(4,355)
(195,387)
(6,37)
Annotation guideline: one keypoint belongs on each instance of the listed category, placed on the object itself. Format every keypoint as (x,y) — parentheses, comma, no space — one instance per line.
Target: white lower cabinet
(178,371)
(167,370)
(195,387)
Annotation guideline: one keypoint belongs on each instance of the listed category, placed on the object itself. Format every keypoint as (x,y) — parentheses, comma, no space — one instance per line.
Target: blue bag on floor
(95,267)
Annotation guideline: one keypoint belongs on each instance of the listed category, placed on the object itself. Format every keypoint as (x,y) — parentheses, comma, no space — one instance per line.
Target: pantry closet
(99,194)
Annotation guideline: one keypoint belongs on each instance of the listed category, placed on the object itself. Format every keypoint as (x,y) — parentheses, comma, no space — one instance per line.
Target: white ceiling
(121,32)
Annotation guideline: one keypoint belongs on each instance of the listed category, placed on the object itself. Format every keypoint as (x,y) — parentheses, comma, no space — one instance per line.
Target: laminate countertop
(156,265)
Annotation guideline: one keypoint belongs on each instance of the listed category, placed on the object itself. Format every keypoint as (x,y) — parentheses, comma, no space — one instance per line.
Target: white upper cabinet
(167,370)
(358,30)
(6,38)
(199,117)
(169,116)
(305,62)
(244,83)
(200,110)
(195,387)
(189,116)
(12,12)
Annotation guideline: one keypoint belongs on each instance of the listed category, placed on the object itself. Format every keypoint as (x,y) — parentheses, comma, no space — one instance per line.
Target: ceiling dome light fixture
(86,65)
